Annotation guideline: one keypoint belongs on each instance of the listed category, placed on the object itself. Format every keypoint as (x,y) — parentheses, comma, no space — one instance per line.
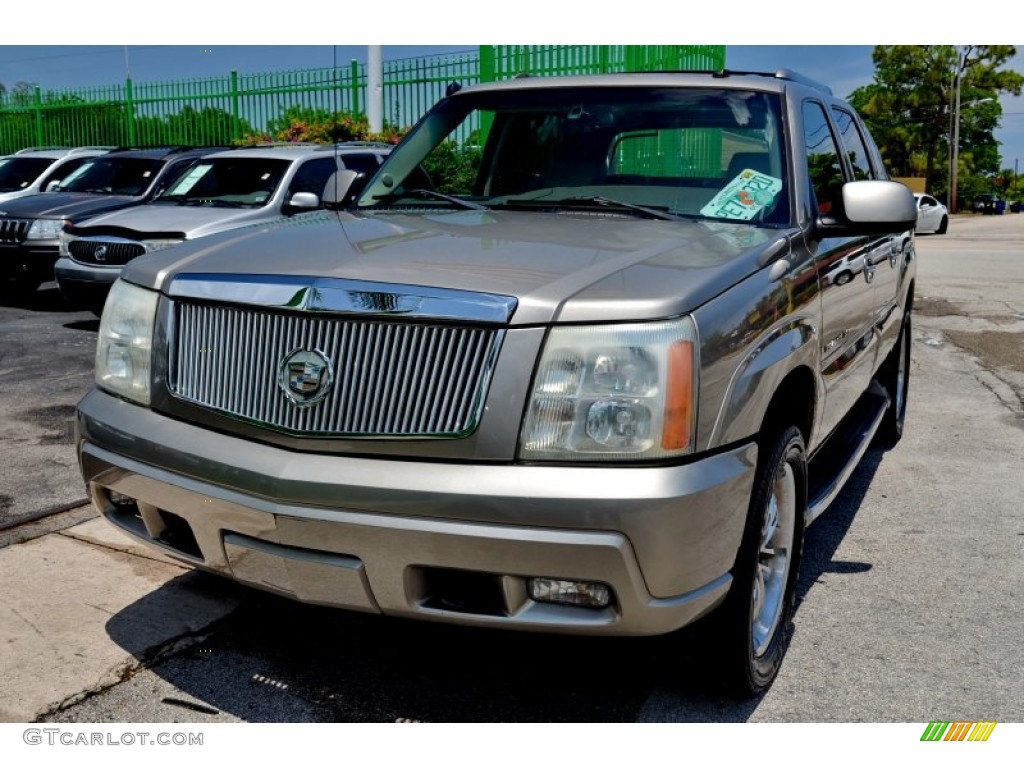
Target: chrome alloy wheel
(774,559)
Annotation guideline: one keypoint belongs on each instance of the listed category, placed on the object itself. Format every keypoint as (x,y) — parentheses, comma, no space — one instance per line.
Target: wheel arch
(774,382)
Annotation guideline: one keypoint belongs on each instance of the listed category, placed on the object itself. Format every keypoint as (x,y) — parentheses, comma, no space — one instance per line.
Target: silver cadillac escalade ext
(585,355)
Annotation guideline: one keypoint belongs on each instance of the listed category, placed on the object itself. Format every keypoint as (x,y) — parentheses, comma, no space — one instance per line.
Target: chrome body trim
(341,296)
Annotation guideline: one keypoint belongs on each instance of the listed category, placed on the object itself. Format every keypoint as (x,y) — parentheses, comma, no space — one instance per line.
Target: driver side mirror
(52,185)
(872,208)
(304,201)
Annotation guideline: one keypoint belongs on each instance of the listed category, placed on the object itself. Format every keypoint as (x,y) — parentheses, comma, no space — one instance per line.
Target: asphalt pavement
(907,601)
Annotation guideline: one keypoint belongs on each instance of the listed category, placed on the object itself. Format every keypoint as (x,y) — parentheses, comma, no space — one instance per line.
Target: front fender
(758,375)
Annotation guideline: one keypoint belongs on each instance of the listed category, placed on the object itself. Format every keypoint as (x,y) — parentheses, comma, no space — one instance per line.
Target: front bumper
(447,542)
(31,258)
(84,284)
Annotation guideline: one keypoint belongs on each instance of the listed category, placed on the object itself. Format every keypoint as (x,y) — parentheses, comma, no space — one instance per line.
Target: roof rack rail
(779,74)
(348,144)
(155,147)
(44,148)
(796,77)
(272,144)
(77,150)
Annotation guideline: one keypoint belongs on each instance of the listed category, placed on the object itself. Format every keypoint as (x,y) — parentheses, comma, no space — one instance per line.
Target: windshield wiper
(430,193)
(607,202)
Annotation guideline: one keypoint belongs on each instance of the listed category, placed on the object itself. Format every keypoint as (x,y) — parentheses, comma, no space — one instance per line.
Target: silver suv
(225,190)
(38,169)
(575,360)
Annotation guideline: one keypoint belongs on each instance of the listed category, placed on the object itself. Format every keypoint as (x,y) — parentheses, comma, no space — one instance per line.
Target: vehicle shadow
(90,326)
(45,299)
(275,660)
(824,536)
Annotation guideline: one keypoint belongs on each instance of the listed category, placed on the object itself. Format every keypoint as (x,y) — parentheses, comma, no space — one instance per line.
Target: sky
(247,40)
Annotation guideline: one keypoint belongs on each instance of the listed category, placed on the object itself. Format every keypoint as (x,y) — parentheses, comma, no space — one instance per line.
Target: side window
(312,176)
(854,144)
(823,164)
(363,164)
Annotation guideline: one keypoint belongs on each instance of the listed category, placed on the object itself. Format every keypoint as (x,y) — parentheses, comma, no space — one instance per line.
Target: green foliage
(319,126)
(453,168)
(208,126)
(908,109)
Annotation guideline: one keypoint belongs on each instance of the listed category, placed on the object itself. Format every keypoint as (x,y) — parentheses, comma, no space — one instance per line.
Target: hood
(186,220)
(70,205)
(559,267)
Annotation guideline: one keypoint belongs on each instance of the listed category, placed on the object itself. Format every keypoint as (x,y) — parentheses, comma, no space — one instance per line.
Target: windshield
(113,176)
(655,152)
(235,182)
(16,173)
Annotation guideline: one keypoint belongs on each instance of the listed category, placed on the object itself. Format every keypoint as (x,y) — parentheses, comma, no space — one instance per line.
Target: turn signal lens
(675,434)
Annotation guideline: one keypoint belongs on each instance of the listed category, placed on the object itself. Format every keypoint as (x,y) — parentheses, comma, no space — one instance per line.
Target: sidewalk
(84,608)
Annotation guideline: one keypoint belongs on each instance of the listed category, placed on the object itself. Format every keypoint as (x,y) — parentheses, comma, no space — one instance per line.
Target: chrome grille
(112,253)
(390,378)
(14,230)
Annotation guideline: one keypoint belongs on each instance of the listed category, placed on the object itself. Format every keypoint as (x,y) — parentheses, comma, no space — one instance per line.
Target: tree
(909,107)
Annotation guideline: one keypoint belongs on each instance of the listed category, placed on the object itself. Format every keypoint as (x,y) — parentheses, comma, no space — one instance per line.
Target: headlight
(45,229)
(125,341)
(613,392)
(159,245)
(65,240)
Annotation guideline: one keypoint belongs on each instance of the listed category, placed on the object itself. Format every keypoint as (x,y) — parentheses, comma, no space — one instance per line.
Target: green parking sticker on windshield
(743,197)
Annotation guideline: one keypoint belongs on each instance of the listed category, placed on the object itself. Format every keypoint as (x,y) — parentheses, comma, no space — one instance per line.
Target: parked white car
(932,215)
(30,171)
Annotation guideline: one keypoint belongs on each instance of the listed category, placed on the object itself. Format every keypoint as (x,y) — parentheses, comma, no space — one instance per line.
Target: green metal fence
(220,110)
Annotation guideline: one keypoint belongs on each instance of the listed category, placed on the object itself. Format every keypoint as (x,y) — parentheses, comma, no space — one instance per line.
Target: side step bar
(840,455)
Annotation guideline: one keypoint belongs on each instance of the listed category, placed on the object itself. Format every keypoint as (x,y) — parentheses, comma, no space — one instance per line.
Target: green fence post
(632,58)
(130,111)
(39,116)
(236,125)
(487,73)
(354,86)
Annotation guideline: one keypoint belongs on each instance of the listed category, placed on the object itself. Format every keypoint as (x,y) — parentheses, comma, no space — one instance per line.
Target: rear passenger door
(884,260)
(848,342)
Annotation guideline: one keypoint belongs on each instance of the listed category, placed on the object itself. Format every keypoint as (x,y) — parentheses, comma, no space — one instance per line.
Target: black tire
(943,225)
(752,633)
(895,378)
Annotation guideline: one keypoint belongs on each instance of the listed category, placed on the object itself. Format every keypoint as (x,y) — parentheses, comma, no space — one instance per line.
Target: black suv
(30,227)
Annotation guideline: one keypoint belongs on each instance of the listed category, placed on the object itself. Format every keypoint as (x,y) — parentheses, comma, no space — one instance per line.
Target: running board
(836,460)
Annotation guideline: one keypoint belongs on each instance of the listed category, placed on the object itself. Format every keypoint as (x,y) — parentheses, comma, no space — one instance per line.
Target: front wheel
(754,622)
(943,225)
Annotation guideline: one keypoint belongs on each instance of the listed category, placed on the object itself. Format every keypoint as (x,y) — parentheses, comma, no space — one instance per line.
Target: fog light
(588,594)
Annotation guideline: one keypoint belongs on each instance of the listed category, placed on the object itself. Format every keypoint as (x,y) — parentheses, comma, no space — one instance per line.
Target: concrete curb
(85,608)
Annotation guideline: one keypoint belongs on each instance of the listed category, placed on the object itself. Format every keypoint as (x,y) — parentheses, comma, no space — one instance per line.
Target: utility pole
(961,65)
(375,88)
